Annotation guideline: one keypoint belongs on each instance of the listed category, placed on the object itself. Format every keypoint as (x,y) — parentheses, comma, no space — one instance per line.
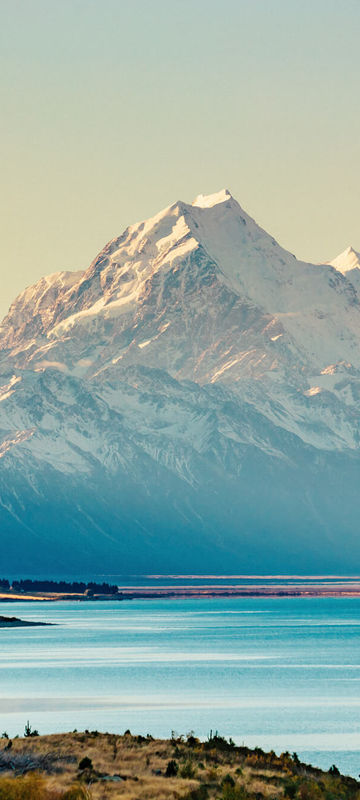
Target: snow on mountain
(195,368)
(348,263)
(349,259)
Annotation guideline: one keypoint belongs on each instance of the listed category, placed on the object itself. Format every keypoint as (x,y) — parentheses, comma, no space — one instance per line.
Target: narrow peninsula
(14,622)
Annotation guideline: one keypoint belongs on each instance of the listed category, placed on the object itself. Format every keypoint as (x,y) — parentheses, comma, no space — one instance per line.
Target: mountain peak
(210,200)
(347,260)
(191,393)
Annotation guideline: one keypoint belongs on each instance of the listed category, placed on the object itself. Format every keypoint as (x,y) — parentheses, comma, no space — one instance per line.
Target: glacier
(188,402)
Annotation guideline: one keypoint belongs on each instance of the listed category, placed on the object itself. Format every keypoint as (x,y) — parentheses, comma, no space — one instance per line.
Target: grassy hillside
(91,765)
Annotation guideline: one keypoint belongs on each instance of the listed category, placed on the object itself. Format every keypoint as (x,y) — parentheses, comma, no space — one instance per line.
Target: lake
(280,673)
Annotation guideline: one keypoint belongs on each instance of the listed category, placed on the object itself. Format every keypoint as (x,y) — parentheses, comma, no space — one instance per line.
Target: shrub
(228,779)
(334,770)
(230,792)
(309,790)
(28,731)
(85,763)
(216,742)
(191,740)
(188,770)
(171,769)
(290,789)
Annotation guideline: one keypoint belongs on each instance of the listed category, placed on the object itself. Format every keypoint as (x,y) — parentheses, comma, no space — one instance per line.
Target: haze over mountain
(189,402)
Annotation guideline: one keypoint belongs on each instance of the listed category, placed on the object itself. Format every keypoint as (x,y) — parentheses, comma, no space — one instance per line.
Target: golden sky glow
(111,110)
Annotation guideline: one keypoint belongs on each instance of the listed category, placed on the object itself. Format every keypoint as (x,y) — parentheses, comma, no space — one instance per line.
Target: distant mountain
(348,263)
(189,402)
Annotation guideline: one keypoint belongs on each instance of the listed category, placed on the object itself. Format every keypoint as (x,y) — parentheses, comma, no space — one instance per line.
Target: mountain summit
(189,401)
(349,259)
(348,263)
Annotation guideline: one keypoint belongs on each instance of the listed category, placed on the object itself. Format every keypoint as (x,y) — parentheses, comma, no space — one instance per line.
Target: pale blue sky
(111,110)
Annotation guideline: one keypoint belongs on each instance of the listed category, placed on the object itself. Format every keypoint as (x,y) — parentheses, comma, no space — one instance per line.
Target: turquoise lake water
(281,673)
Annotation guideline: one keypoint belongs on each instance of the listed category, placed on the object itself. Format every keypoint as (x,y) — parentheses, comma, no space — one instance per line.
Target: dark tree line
(78,587)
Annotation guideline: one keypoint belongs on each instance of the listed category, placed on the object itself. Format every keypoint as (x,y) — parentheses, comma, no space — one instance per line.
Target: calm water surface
(283,674)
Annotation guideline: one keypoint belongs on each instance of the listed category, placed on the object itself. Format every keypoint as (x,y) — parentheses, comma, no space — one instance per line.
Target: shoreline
(183,592)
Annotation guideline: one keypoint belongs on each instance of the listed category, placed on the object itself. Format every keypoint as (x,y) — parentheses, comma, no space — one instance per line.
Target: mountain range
(190,402)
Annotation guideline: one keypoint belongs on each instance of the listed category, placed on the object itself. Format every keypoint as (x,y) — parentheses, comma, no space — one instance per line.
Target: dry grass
(111,755)
(216,770)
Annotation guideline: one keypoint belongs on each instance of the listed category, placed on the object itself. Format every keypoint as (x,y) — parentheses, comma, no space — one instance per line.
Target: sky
(114,109)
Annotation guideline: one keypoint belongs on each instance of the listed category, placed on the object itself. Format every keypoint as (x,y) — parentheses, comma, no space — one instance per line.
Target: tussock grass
(134,768)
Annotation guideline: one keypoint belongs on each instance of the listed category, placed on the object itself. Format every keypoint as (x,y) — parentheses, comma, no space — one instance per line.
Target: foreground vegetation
(95,766)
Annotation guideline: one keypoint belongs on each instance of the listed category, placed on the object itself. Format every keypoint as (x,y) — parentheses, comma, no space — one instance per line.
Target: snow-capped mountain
(348,262)
(191,400)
